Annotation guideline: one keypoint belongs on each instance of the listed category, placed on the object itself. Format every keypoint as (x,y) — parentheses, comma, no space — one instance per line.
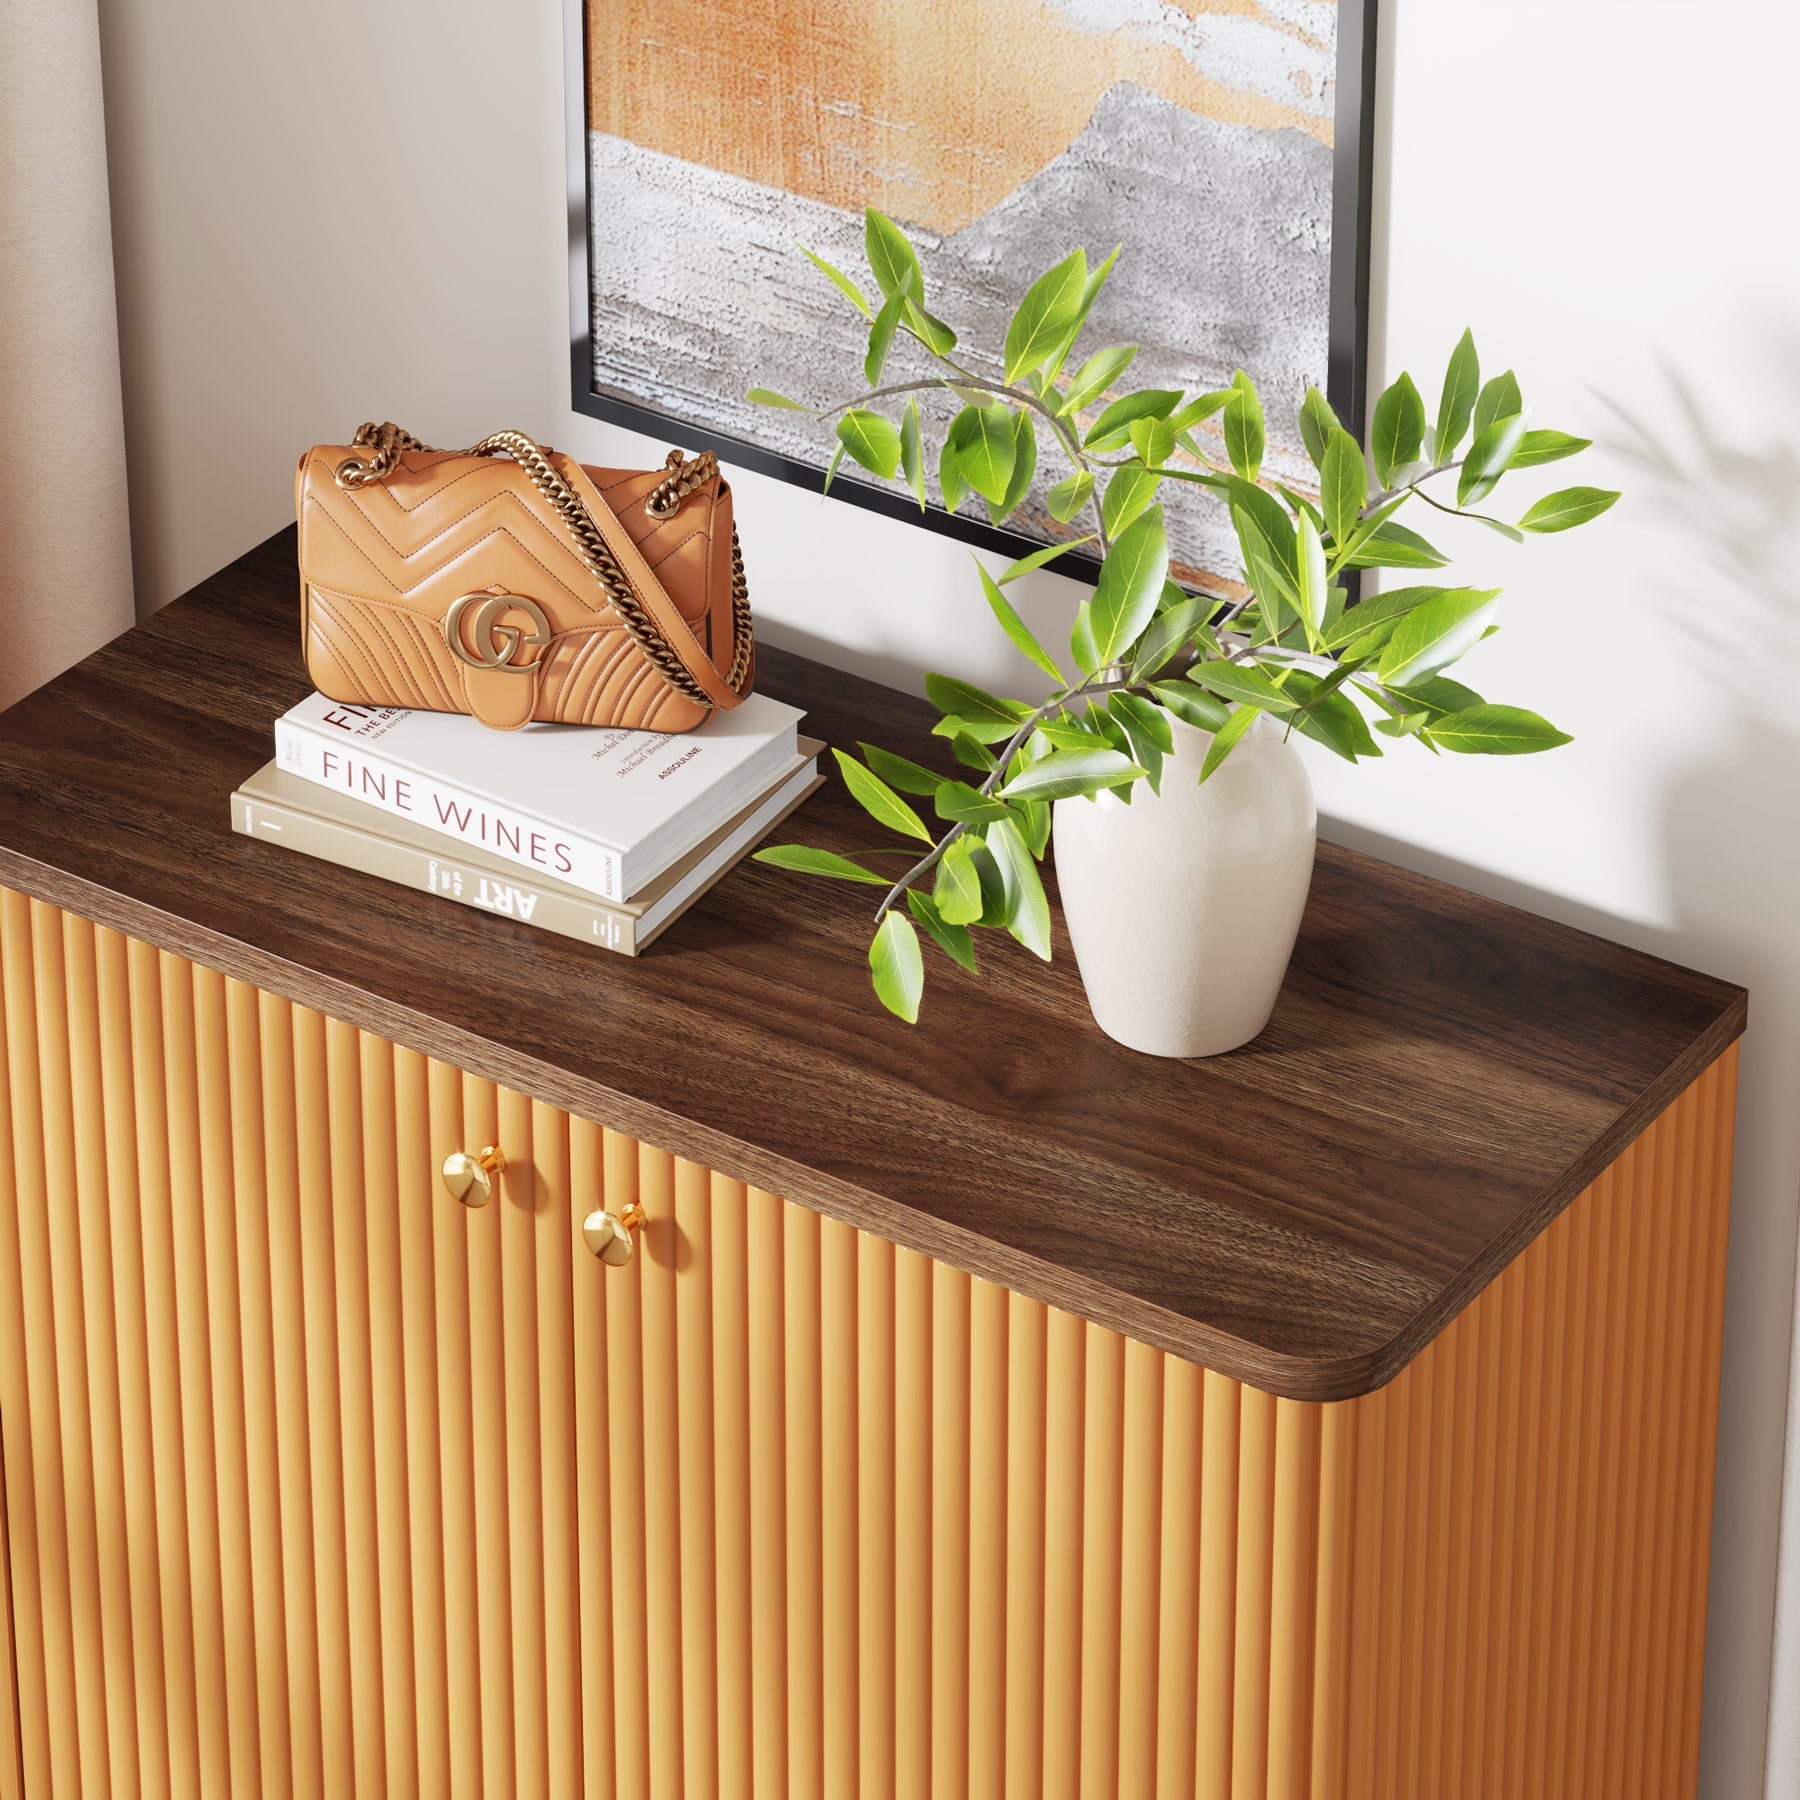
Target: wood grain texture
(1443,1074)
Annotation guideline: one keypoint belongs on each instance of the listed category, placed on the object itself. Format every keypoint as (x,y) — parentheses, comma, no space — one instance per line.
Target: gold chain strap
(387,442)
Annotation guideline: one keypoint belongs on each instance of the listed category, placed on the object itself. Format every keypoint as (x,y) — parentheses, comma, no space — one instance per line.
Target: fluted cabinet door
(289,1435)
(318,1483)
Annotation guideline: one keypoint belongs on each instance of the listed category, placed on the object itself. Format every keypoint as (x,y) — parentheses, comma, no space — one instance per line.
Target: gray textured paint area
(700,292)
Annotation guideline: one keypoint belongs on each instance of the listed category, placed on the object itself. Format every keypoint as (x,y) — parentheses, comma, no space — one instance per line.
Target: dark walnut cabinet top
(1442,1075)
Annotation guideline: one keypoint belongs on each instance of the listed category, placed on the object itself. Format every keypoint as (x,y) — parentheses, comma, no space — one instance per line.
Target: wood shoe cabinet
(1068,1430)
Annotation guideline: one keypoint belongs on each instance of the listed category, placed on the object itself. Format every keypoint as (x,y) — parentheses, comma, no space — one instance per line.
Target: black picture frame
(1348,327)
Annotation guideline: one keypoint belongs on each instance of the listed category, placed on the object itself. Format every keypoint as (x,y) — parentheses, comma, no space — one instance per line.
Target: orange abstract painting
(1198,135)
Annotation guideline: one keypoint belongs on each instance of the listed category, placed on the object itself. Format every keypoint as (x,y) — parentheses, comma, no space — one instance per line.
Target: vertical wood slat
(24,1624)
(12,1762)
(426,1498)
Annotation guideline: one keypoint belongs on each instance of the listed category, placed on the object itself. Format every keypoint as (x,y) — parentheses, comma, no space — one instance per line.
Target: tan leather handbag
(513,583)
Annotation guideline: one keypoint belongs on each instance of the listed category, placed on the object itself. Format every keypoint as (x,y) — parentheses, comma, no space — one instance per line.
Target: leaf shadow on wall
(1729,825)
(1732,866)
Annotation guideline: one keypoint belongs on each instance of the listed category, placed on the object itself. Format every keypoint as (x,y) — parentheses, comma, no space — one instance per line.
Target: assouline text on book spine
(350,769)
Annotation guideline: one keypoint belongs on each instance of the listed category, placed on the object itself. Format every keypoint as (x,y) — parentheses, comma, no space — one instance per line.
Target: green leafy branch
(1148,653)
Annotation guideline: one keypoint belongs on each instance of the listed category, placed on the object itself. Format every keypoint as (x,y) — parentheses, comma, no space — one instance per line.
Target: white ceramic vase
(1183,907)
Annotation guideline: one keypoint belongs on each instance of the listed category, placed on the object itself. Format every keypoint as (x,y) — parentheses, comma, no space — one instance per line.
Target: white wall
(341,211)
(63,538)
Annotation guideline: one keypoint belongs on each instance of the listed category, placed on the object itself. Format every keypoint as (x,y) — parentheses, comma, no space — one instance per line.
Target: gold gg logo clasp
(495,644)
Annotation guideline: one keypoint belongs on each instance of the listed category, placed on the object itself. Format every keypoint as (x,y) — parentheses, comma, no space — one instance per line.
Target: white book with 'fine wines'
(603,809)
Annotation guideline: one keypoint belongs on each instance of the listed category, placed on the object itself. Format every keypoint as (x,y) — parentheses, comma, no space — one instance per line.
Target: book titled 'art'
(604,810)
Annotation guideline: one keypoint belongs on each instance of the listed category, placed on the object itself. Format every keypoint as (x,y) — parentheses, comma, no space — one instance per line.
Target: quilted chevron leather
(382,565)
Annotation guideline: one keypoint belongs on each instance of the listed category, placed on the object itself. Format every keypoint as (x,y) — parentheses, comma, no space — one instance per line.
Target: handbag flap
(385,565)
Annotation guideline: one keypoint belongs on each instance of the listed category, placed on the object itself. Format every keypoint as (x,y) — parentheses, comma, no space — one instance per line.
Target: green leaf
(1148,731)
(1081,638)
(1434,635)
(936,335)
(1023,468)
(957,886)
(803,859)
(950,937)
(1499,399)
(1226,739)
(892,260)
(845,285)
(957,801)
(881,338)
(831,468)
(1045,315)
(1567,507)
(978,710)
(1095,376)
(879,800)
(1038,558)
(1244,427)
(1392,546)
(1153,440)
(1129,491)
(768,397)
(1378,611)
(912,453)
(1202,406)
(1137,714)
(950,477)
(1398,433)
(1311,586)
(1100,719)
(1190,705)
(1271,517)
(1066,733)
(981,438)
(1343,483)
(898,772)
(1274,576)
(1496,731)
(1172,627)
(1243,682)
(1462,381)
(1034,826)
(1027,911)
(1089,294)
(1298,503)
(1318,425)
(1131,581)
(977,731)
(993,883)
(969,750)
(1015,627)
(874,441)
(1438,694)
(1066,772)
(1112,430)
(1490,456)
(896,967)
(1070,495)
(1334,720)
(1403,724)
(1547,447)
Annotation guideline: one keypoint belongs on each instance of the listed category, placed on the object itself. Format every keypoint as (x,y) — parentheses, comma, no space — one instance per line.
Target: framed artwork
(1223,145)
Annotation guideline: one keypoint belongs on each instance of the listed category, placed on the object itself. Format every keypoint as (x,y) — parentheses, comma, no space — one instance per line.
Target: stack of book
(600,834)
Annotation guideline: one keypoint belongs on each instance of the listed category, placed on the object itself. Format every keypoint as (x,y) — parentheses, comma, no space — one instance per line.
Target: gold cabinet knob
(470,1179)
(610,1235)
